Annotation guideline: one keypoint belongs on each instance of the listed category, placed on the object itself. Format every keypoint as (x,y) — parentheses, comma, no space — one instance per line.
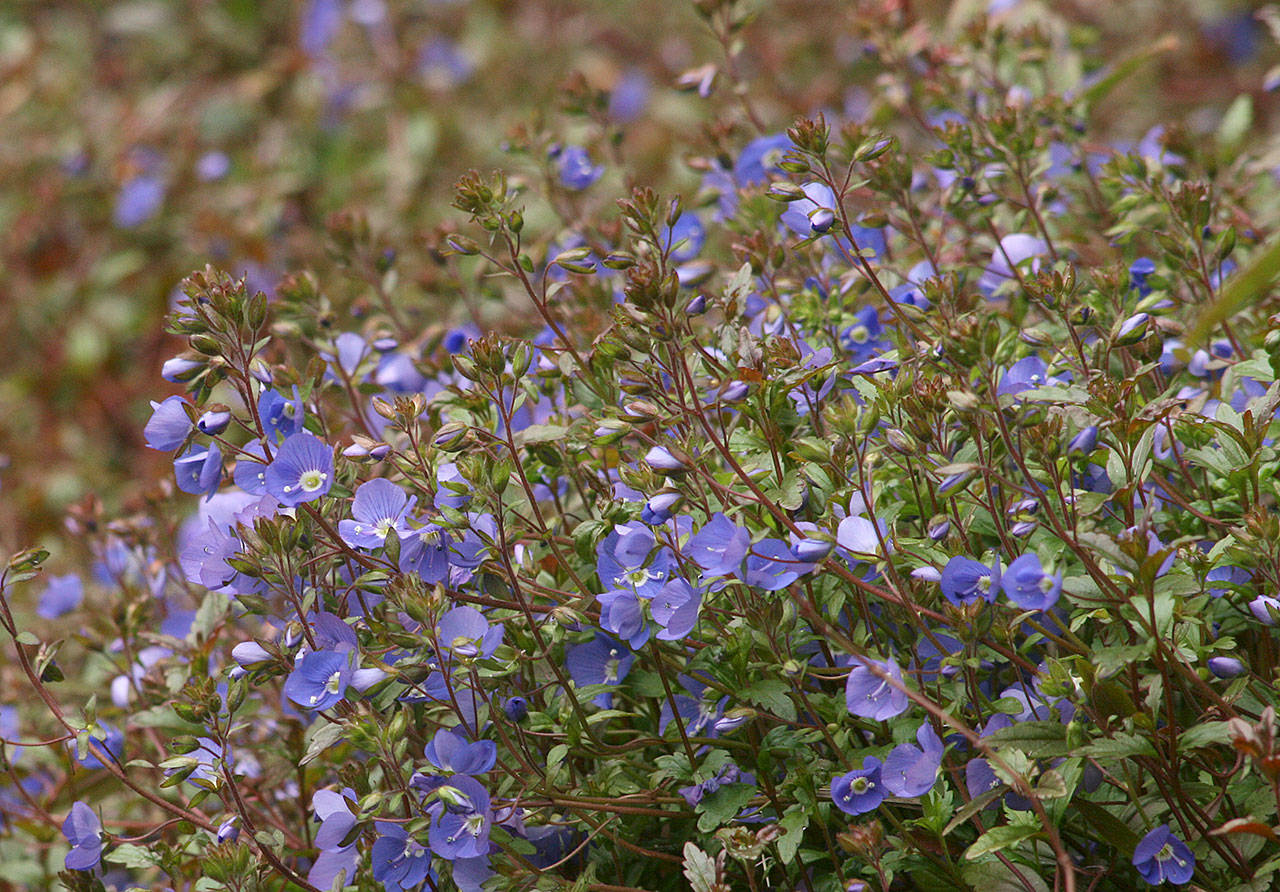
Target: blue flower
(686,237)
(138,200)
(860,537)
(379,508)
(1014,249)
(1266,609)
(169,425)
(84,831)
(621,614)
(602,660)
(576,170)
(719,547)
(302,470)
(462,819)
(771,566)
(453,753)
(760,157)
(281,417)
(859,791)
(199,470)
(911,771)
(1025,583)
(453,491)
(333,810)
(62,595)
(320,677)
(1025,374)
(1161,857)
(1139,271)
(213,166)
(111,741)
(321,20)
(869,695)
(965,580)
(813,214)
(676,609)
(425,551)
(399,861)
(464,632)
(623,561)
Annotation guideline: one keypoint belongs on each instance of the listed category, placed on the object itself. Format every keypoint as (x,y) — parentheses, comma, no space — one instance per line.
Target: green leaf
(325,735)
(1107,825)
(1002,837)
(1249,283)
(1202,735)
(1122,746)
(793,824)
(1039,740)
(772,694)
(993,876)
(719,808)
(131,856)
(541,433)
(699,868)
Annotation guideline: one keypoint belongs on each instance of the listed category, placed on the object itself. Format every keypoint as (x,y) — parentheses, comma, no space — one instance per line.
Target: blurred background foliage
(144,139)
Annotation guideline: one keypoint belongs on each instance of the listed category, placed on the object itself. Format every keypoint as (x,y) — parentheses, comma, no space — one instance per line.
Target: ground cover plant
(894,508)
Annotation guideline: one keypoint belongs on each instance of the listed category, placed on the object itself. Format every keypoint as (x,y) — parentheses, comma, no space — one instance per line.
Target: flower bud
(214,421)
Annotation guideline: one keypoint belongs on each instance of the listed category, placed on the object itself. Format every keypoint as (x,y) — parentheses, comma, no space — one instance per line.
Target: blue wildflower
(399,861)
(462,819)
(169,425)
(1025,583)
(455,754)
(379,508)
(911,771)
(859,791)
(868,694)
(302,470)
(84,831)
(965,580)
(62,595)
(602,660)
(198,471)
(464,632)
(575,168)
(1161,857)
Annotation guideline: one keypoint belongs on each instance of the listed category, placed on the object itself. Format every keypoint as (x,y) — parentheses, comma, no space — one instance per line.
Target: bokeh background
(141,140)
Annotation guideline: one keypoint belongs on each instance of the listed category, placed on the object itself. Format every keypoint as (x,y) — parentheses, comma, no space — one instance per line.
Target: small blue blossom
(399,861)
(1226,667)
(138,200)
(464,632)
(1025,583)
(280,416)
(462,819)
(455,754)
(911,771)
(1161,857)
(84,831)
(575,168)
(760,157)
(169,425)
(62,595)
(380,508)
(871,696)
(965,580)
(198,471)
(859,791)
(602,660)
(302,470)
(675,608)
